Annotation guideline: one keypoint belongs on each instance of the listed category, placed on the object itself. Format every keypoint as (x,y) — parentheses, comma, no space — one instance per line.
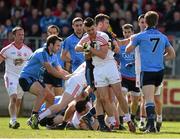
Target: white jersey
(75,84)
(101,40)
(137,66)
(15,58)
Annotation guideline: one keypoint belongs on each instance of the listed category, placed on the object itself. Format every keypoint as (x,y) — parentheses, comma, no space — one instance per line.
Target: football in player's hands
(86,47)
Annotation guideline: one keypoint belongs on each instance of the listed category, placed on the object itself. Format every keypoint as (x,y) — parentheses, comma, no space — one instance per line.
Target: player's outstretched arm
(53,71)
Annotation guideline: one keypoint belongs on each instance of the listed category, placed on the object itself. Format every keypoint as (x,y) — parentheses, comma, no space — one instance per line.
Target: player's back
(152,45)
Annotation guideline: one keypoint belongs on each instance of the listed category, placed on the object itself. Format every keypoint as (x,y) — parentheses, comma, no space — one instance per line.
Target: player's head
(77,25)
(18,33)
(81,107)
(128,30)
(151,18)
(53,30)
(141,22)
(53,43)
(102,22)
(89,26)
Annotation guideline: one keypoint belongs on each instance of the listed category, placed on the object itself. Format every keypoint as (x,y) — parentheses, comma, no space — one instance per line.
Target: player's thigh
(58,91)
(112,73)
(148,91)
(20,92)
(117,89)
(73,88)
(37,88)
(11,84)
(100,75)
(103,92)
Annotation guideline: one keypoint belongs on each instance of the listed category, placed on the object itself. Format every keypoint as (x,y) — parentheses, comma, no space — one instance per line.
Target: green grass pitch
(169,130)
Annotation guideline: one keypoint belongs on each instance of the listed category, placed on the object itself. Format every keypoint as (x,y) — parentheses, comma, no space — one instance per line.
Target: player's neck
(18,45)
(79,35)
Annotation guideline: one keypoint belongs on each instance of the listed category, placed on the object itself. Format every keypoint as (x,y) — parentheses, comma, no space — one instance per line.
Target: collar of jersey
(148,28)
(46,49)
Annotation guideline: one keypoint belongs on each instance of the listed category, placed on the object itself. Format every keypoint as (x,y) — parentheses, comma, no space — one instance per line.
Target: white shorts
(106,74)
(73,87)
(12,86)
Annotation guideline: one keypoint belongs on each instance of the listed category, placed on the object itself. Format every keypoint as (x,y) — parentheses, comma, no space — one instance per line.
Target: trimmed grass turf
(169,130)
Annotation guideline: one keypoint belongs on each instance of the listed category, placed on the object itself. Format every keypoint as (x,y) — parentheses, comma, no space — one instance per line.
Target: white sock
(111,120)
(127,117)
(13,119)
(142,119)
(45,114)
(159,118)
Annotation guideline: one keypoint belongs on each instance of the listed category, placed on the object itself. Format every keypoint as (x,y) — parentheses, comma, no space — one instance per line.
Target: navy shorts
(130,85)
(89,73)
(50,79)
(151,78)
(26,83)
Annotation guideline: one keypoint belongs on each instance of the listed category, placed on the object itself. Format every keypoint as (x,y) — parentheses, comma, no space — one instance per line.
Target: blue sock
(91,113)
(150,110)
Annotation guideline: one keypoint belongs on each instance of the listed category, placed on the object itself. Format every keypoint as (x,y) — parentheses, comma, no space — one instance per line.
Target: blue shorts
(50,79)
(26,83)
(151,78)
(89,73)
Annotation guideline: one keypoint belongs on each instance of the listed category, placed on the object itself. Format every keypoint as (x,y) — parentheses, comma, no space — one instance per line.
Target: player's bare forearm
(79,48)
(102,53)
(123,42)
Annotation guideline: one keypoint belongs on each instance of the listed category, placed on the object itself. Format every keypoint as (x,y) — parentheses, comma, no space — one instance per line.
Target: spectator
(4,11)
(9,25)
(47,19)
(32,19)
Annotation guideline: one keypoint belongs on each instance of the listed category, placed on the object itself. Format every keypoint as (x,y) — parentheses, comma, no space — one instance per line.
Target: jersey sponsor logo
(18,62)
(129,56)
(13,53)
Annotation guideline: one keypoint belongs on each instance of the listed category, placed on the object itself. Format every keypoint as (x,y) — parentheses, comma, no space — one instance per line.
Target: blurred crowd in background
(36,15)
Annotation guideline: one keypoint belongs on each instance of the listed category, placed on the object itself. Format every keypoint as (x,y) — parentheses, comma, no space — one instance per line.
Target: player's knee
(13,99)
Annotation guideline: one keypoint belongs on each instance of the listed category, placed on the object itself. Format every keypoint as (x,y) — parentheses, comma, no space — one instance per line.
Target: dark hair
(52,39)
(16,29)
(140,17)
(128,26)
(53,26)
(151,18)
(88,22)
(77,19)
(101,17)
(80,106)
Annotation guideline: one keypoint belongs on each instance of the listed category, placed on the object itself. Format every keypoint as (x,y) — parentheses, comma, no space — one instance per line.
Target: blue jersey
(60,61)
(152,44)
(34,67)
(69,45)
(127,63)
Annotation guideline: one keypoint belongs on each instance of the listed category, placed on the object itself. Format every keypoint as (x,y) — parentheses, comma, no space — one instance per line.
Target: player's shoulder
(100,33)
(103,35)
(70,37)
(27,48)
(8,47)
